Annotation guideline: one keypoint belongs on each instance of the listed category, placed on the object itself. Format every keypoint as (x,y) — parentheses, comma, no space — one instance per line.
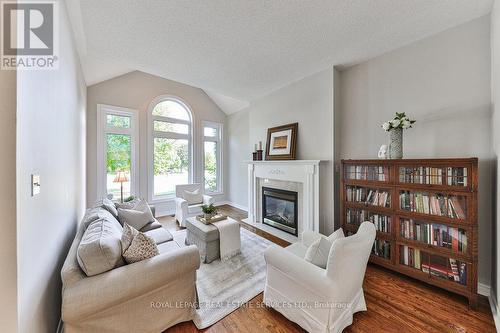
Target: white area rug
(225,286)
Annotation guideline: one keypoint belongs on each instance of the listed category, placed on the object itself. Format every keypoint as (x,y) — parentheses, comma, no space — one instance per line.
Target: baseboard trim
(483,289)
(60,326)
(495,311)
(233,204)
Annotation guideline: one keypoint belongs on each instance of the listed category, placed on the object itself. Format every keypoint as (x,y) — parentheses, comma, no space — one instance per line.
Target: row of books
(356,216)
(382,249)
(368,196)
(367,172)
(434,204)
(421,175)
(434,234)
(457,176)
(445,268)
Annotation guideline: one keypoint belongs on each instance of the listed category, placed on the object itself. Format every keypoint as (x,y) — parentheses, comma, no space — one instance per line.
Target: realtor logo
(29,35)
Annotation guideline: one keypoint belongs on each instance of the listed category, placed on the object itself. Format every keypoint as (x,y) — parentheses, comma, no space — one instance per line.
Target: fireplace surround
(301,176)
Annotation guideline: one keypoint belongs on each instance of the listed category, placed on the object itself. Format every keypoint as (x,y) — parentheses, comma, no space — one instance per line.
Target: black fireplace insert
(279,209)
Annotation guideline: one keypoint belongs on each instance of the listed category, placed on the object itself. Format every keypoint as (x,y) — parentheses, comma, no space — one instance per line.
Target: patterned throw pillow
(127,236)
(142,247)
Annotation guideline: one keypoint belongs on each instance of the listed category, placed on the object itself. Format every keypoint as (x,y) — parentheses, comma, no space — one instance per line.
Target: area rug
(224,286)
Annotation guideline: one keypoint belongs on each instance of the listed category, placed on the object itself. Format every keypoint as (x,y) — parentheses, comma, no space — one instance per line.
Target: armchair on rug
(188,201)
(318,299)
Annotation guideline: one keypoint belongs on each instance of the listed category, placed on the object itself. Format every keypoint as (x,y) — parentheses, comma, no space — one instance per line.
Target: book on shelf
(368,196)
(433,204)
(421,175)
(451,238)
(355,216)
(457,176)
(368,172)
(381,248)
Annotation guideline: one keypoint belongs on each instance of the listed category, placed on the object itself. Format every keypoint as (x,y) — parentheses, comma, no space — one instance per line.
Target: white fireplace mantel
(305,172)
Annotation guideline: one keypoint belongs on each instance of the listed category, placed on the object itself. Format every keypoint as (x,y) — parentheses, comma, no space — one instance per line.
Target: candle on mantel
(260,145)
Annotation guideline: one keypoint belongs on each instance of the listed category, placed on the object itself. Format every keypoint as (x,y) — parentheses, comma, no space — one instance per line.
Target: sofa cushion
(108,205)
(168,247)
(160,235)
(195,209)
(193,197)
(142,247)
(151,226)
(100,249)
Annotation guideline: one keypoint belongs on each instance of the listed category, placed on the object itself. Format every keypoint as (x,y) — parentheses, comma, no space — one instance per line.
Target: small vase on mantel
(395,128)
(396,145)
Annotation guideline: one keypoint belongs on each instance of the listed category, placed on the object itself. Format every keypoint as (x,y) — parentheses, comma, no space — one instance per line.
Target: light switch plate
(35,185)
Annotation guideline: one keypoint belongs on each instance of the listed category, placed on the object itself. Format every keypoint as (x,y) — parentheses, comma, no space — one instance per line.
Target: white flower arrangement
(401,120)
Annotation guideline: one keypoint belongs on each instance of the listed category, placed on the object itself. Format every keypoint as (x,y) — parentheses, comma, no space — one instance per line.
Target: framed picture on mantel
(282,142)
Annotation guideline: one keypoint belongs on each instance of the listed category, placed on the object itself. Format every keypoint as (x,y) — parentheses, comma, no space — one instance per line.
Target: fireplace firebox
(279,209)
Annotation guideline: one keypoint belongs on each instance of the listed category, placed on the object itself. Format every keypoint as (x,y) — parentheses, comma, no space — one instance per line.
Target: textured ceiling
(242,49)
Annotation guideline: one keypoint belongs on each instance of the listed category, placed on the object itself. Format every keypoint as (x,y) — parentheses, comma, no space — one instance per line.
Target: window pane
(171,109)
(210,131)
(118,158)
(210,166)
(164,126)
(171,165)
(117,121)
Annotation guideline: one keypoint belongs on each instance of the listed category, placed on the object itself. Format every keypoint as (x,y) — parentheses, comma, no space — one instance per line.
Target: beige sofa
(147,296)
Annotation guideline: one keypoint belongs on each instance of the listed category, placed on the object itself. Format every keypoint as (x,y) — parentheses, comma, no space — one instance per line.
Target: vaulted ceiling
(239,50)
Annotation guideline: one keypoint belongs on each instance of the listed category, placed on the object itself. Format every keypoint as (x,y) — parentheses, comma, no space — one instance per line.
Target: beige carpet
(225,286)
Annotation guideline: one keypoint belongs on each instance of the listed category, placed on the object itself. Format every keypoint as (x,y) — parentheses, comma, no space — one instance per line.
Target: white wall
(239,148)
(308,102)
(136,90)
(444,83)
(51,143)
(495,105)
(8,252)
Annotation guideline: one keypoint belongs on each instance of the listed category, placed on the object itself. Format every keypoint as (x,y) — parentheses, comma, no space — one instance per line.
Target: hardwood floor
(396,303)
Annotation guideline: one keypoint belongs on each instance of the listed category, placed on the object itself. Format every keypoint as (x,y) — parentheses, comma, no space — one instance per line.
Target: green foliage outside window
(118,153)
(170,156)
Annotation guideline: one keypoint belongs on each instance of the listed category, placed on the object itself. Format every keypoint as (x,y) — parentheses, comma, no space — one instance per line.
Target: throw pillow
(143,206)
(135,218)
(127,236)
(339,233)
(127,205)
(108,205)
(142,247)
(317,253)
(193,197)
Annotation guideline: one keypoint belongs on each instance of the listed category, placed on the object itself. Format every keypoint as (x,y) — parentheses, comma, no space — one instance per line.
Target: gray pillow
(108,205)
(100,248)
(135,218)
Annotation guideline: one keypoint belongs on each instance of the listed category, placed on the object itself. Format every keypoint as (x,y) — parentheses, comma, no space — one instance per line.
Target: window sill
(214,193)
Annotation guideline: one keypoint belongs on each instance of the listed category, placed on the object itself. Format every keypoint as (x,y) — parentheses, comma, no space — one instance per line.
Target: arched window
(171,146)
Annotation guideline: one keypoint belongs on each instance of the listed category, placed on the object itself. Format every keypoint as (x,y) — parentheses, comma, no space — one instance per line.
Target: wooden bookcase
(425,212)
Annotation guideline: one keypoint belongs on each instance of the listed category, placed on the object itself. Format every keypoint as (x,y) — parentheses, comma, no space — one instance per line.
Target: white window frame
(220,151)
(102,130)
(158,134)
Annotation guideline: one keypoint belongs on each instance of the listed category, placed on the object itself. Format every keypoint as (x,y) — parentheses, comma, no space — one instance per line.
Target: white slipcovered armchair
(319,300)
(188,201)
